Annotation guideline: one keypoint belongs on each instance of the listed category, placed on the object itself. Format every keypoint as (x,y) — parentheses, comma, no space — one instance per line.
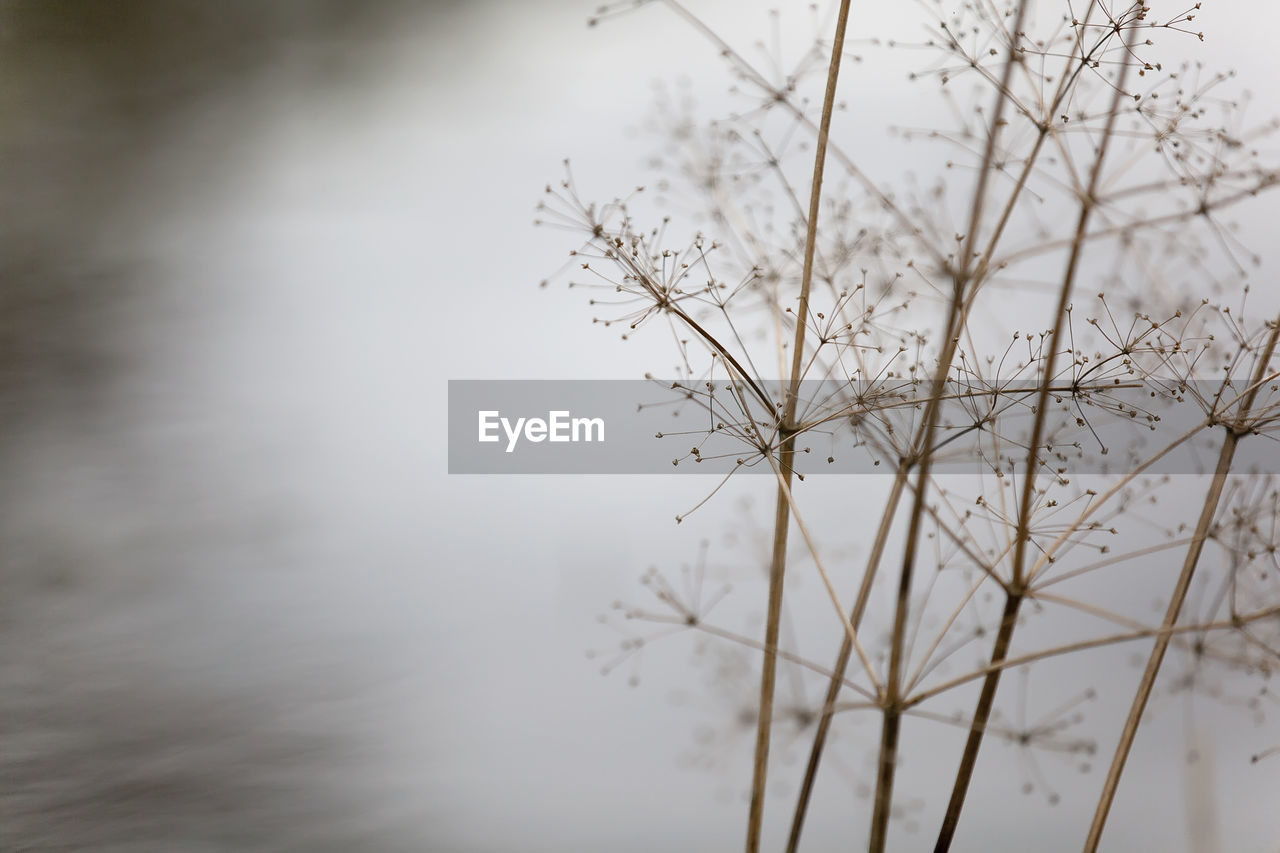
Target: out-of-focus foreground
(175,672)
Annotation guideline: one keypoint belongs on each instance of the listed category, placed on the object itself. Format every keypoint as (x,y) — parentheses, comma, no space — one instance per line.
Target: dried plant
(1023,342)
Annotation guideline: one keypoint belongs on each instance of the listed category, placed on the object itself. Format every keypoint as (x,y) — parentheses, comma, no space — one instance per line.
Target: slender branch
(842,660)
(1085,645)
(1151,223)
(778,563)
(851,633)
(984,265)
(891,725)
(1016,590)
(780,97)
(777,569)
(790,657)
(1235,430)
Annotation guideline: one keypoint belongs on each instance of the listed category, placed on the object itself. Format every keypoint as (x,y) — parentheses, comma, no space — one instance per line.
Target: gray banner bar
(714,427)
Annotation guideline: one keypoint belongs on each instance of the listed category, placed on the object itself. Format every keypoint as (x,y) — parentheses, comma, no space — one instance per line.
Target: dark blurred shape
(132,714)
(90,91)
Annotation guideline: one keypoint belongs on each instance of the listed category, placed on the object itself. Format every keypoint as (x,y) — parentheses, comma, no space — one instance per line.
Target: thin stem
(891,726)
(978,728)
(978,274)
(778,563)
(1234,431)
(850,633)
(1084,645)
(1015,592)
(842,660)
(780,96)
(777,569)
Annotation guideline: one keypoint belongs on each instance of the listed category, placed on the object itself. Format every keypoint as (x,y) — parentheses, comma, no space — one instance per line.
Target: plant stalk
(892,709)
(1016,590)
(842,660)
(782,515)
(1234,432)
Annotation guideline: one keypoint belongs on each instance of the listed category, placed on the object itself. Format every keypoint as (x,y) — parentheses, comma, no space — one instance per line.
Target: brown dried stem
(782,519)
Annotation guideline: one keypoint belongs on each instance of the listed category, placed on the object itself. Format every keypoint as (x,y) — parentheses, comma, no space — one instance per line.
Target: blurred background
(242,604)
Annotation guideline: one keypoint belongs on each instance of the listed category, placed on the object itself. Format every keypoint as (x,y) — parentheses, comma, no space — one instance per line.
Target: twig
(1235,430)
(778,563)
